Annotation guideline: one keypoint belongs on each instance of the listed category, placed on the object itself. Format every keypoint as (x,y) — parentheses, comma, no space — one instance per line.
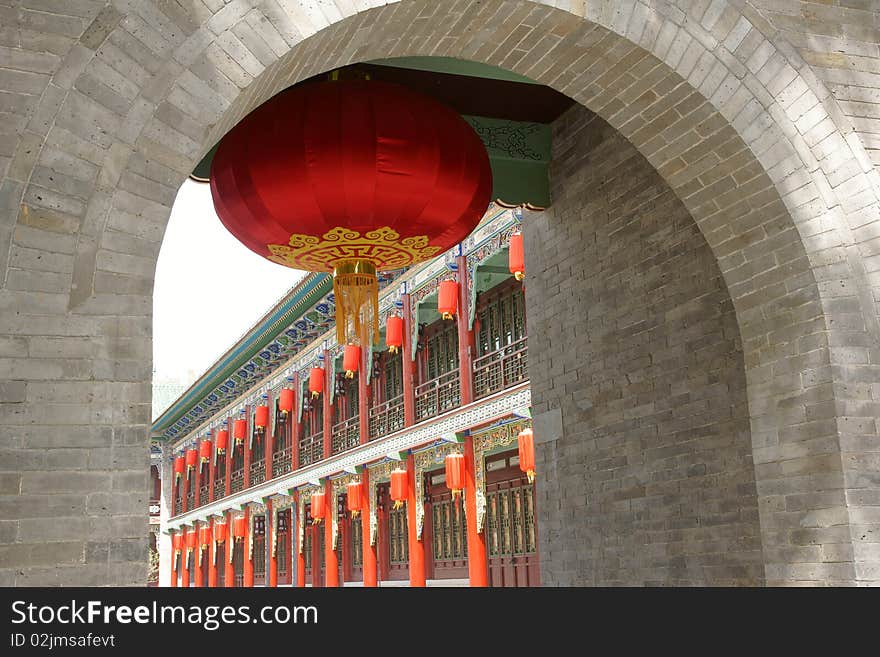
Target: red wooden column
(212,464)
(300,558)
(185,482)
(197,566)
(173,563)
(269,438)
(294,423)
(248,446)
(331,562)
(273,552)
(364,398)
(369,551)
(246,546)
(465,335)
(230,450)
(198,477)
(229,576)
(409,393)
(184,566)
(416,547)
(212,560)
(328,407)
(476,541)
(316,556)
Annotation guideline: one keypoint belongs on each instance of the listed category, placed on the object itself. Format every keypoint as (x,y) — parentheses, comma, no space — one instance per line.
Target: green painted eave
(309,291)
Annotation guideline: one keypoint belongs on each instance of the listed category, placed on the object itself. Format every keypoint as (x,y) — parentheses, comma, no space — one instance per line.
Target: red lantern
(239,528)
(192,457)
(319,507)
(351,359)
(205,451)
(191,538)
(239,431)
(516,256)
(526,441)
(177,541)
(220,532)
(316,381)
(398,487)
(354,499)
(261,417)
(222,441)
(447,299)
(204,536)
(455,473)
(285,401)
(394,333)
(351,177)
(179,467)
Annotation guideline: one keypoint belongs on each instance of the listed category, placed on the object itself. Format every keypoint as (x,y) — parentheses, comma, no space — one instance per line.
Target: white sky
(209,288)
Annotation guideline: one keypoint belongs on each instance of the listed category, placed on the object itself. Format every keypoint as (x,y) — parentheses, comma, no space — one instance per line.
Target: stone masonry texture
(760,117)
(652,480)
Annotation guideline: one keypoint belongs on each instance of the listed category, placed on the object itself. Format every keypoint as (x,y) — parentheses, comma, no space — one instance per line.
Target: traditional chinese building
(263,471)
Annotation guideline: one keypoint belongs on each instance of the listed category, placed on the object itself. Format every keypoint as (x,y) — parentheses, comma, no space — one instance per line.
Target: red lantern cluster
(526,440)
(179,467)
(319,507)
(399,487)
(455,472)
(316,381)
(447,299)
(351,359)
(285,401)
(261,417)
(516,256)
(355,498)
(239,431)
(239,528)
(192,458)
(205,451)
(394,333)
(222,441)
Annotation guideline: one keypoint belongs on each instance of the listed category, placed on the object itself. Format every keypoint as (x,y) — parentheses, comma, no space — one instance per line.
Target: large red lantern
(316,381)
(219,532)
(239,431)
(261,417)
(179,467)
(526,440)
(355,498)
(177,542)
(319,507)
(239,528)
(351,177)
(447,299)
(285,401)
(204,536)
(394,333)
(222,441)
(399,487)
(205,451)
(455,473)
(350,360)
(516,257)
(192,457)
(191,539)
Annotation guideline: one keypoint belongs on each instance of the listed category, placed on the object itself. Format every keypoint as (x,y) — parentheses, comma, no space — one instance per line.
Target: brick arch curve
(733,131)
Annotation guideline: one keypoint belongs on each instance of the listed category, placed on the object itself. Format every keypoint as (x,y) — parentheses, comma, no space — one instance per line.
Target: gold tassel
(397,504)
(531,475)
(356,290)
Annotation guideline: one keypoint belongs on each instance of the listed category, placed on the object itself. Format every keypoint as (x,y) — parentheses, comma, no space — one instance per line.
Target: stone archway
(711,101)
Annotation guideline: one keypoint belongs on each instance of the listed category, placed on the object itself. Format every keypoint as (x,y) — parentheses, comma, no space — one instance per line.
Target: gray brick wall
(633,340)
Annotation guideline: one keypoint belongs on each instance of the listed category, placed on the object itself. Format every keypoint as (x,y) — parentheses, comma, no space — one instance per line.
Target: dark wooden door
(395,548)
(283,552)
(259,551)
(445,530)
(238,563)
(220,558)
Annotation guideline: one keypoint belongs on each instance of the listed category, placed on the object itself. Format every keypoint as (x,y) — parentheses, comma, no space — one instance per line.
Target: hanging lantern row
(319,507)
(192,458)
(351,359)
(394,333)
(285,401)
(371,177)
(222,441)
(239,528)
(239,431)
(447,299)
(399,485)
(316,381)
(355,498)
(455,473)
(516,256)
(179,467)
(526,440)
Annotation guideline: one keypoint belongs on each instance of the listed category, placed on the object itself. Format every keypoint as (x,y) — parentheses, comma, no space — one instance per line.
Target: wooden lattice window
(449,530)
(259,549)
(442,349)
(502,320)
(510,521)
(356,542)
(393,375)
(398,536)
(282,545)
